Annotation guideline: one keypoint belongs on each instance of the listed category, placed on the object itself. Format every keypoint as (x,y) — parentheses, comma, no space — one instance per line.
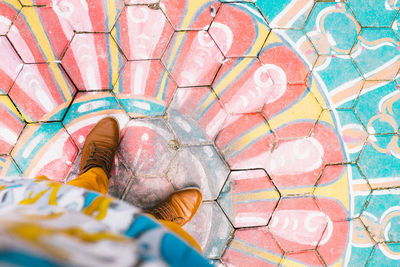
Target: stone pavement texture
(285,113)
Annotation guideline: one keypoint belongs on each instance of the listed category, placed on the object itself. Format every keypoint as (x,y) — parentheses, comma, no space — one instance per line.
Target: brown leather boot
(179,207)
(100,146)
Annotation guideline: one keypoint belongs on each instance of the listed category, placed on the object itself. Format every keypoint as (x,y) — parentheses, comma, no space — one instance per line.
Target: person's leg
(97,156)
(94,179)
(178,230)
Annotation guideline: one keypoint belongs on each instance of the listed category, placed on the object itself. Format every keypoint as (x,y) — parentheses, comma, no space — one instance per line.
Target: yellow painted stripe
(34,22)
(245,140)
(238,245)
(60,80)
(265,195)
(338,190)
(9,105)
(112,13)
(163,86)
(14,3)
(307,108)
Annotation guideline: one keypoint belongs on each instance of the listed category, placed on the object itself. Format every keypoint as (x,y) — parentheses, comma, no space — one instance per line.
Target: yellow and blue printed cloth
(45,223)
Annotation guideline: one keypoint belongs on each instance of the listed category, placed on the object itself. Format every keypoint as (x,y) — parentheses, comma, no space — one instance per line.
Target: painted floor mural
(285,113)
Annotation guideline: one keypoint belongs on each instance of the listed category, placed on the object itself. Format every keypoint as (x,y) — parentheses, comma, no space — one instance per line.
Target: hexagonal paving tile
(93,61)
(353,132)
(196,115)
(249,198)
(380,252)
(144,88)
(343,91)
(87,109)
(142,32)
(8,167)
(146,192)
(253,247)
(381,150)
(192,58)
(289,225)
(333,174)
(376,53)
(36,2)
(361,188)
(374,13)
(334,249)
(309,256)
(379,108)
(210,228)
(8,11)
(229,35)
(332,28)
(381,215)
(249,90)
(364,244)
(304,111)
(90,15)
(10,66)
(182,19)
(40,35)
(280,14)
(327,135)
(199,166)
(300,229)
(148,147)
(290,166)
(285,64)
(298,39)
(42,92)
(147,2)
(45,149)
(11,124)
(245,141)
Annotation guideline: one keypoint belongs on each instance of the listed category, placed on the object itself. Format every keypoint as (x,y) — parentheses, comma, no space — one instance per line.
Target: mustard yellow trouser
(96,179)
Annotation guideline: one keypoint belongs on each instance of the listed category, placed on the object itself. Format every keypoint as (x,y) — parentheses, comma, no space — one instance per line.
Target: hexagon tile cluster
(285,113)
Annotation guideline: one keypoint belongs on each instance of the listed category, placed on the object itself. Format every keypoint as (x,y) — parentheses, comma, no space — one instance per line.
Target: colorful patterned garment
(45,223)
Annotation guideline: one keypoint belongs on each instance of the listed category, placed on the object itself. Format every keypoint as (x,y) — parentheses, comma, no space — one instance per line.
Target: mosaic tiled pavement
(285,113)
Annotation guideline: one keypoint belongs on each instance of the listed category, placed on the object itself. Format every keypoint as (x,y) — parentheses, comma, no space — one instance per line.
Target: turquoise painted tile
(379,159)
(332,28)
(378,107)
(45,149)
(385,254)
(374,13)
(396,25)
(285,13)
(210,228)
(353,133)
(376,53)
(8,167)
(361,190)
(340,78)
(362,245)
(199,166)
(87,109)
(381,216)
